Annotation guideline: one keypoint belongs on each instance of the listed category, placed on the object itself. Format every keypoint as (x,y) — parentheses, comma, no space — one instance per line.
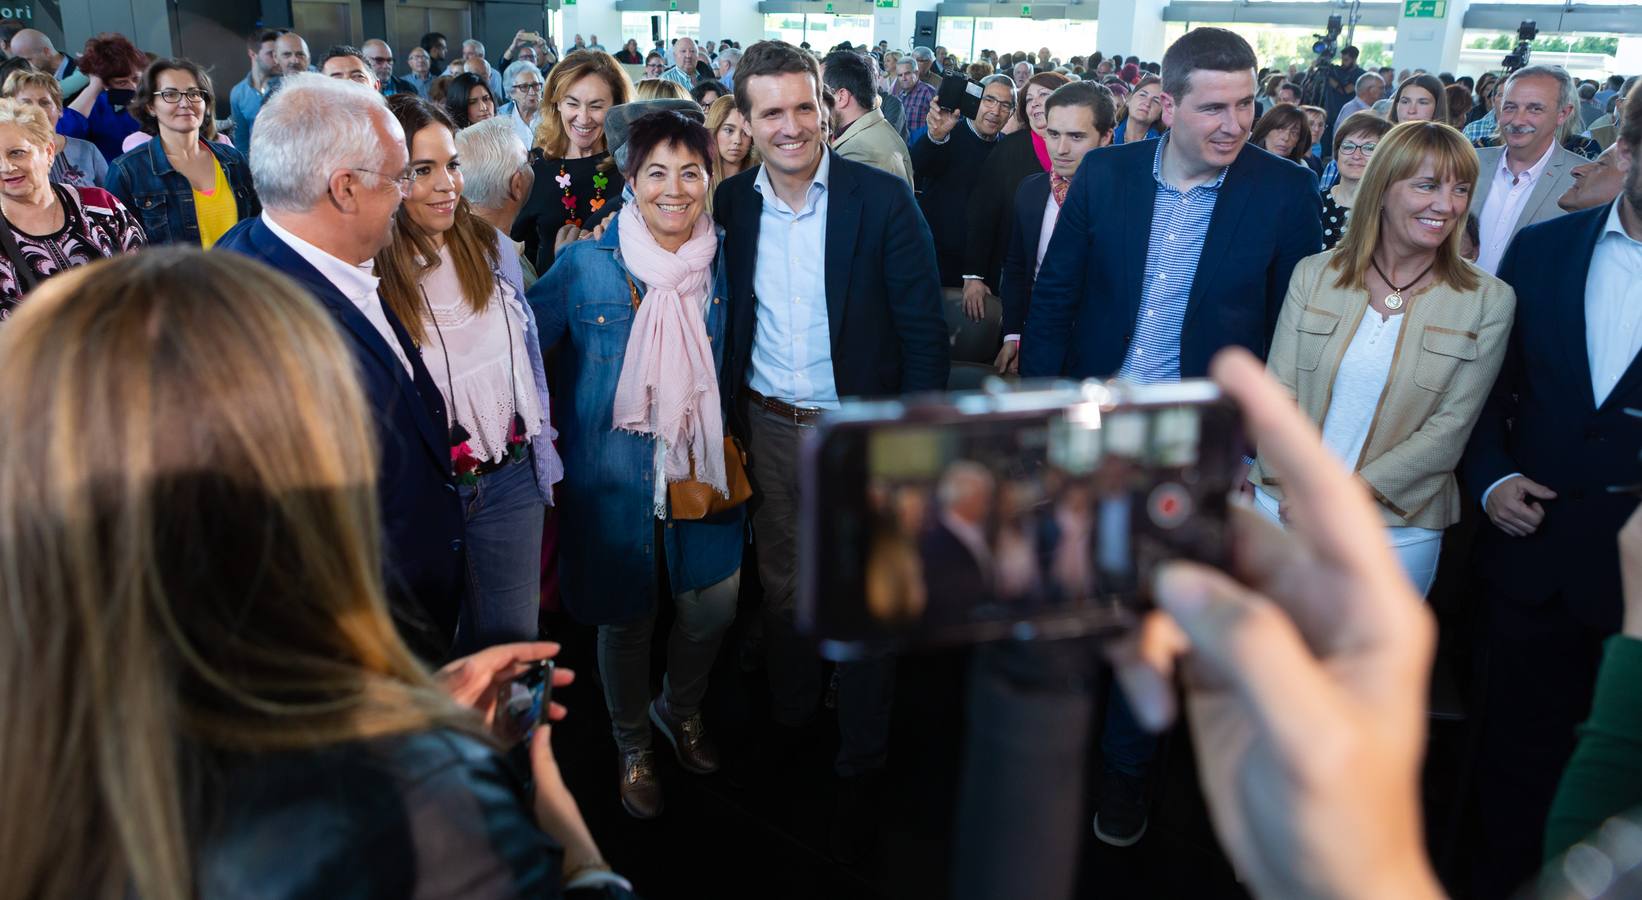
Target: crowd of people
(265,559)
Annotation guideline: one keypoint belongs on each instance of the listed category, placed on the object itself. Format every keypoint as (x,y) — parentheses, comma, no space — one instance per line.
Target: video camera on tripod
(1327,44)
(1526,32)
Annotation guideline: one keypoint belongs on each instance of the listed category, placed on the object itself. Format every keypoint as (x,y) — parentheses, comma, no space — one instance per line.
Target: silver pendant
(1394,300)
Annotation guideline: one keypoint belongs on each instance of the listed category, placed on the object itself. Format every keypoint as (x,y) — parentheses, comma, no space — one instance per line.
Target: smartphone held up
(1031,512)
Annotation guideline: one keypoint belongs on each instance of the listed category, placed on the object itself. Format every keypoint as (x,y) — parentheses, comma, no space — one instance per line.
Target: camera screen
(943,531)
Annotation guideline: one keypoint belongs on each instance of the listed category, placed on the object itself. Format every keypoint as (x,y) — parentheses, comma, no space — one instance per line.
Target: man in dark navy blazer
(1081,116)
(1172,249)
(1165,252)
(328,205)
(1554,436)
(833,294)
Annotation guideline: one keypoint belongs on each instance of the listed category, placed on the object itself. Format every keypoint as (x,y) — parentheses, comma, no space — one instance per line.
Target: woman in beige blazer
(1391,341)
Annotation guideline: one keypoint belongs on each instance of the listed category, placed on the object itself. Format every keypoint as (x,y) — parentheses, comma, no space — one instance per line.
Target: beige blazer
(872,140)
(1553,182)
(1448,353)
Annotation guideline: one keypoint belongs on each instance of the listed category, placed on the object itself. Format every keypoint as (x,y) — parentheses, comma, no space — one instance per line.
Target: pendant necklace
(1394,300)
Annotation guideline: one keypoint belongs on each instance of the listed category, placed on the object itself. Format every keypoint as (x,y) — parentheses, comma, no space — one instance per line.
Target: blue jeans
(504,514)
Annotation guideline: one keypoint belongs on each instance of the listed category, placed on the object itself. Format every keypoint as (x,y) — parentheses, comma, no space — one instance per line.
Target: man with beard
(246,98)
(1519,182)
(1553,438)
(944,163)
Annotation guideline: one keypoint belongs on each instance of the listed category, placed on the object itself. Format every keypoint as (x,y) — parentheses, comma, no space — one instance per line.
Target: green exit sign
(1026,11)
(888,4)
(569,2)
(829,7)
(672,5)
(1425,9)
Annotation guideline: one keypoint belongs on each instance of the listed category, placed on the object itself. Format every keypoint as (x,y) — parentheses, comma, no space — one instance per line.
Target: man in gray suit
(1519,182)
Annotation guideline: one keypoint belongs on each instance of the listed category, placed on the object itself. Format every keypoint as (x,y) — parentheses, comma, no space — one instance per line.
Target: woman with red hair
(113,65)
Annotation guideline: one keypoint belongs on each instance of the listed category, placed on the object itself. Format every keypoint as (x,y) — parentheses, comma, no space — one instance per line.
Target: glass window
(822,31)
(636,25)
(1594,56)
(966,36)
(1282,46)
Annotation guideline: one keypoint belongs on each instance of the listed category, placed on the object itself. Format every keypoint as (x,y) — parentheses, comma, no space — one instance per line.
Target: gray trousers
(699,622)
(865,687)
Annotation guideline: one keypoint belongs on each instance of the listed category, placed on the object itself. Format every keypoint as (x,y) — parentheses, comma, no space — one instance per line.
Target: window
(1280,46)
(966,36)
(822,31)
(674,25)
(1594,56)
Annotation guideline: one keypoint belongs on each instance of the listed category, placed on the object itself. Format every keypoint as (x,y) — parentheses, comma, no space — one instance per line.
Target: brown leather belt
(798,415)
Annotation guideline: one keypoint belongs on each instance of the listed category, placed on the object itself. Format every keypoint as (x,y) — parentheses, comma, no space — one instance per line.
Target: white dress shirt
(357,283)
(1051,215)
(1613,305)
(1497,221)
(791,357)
(1613,311)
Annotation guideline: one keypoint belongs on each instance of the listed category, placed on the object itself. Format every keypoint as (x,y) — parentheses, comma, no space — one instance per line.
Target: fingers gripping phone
(1034,512)
(529,707)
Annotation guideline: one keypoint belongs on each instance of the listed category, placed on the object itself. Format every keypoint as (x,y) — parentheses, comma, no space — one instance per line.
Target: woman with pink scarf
(639,323)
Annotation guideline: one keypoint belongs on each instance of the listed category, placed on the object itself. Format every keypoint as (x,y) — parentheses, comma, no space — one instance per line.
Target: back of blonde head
(188,561)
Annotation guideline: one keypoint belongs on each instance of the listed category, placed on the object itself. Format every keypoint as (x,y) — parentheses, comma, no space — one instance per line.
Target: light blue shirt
(1180,223)
(678,77)
(792,345)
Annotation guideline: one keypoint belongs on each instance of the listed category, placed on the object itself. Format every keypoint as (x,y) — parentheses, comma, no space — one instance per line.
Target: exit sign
(569,2)
(888,4)
(1026,11)
(829,7)
(1425,9)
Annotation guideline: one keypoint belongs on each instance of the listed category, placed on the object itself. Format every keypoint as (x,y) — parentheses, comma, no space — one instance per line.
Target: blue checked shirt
(1482,128)
(1180,224)
(916,105)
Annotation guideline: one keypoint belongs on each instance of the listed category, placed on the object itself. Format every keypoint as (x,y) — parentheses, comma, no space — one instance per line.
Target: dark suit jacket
(992,204)
(421,513)
(883,296)
(1020,261)
(1266,219)
(1542,421)
(954,580)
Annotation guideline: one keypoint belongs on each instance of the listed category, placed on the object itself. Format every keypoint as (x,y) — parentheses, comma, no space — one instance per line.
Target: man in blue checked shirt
(1165,252)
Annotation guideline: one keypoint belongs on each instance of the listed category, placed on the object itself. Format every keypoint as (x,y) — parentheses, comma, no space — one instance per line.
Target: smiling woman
(1396,290)
(442,278)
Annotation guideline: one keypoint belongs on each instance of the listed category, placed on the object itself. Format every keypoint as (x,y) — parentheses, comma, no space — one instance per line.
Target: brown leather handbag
(693,499)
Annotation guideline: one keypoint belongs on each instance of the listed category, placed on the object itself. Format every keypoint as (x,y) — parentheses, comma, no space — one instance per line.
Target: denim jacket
(607,566)
(161,197)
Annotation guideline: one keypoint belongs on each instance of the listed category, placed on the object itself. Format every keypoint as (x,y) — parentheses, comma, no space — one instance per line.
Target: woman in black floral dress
(1354,143)
(46,228)
(573,186)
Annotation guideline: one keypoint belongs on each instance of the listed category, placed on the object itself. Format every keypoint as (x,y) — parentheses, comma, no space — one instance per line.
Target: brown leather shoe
(640,789)
(695,751)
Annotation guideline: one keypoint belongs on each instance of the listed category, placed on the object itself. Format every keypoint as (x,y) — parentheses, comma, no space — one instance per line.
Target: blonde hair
(1400,154)
(716,114)
(189,562)
(660,89)
(27,78)
(551,135)
(29,119)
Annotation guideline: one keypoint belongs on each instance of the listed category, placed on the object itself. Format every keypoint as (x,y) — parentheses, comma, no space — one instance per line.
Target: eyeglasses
(1005,105)
(531,88)
(403,180)
(194,95)
(1347,148)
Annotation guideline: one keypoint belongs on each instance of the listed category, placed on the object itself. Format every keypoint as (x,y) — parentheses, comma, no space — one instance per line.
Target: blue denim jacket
(607,565)
(161,197)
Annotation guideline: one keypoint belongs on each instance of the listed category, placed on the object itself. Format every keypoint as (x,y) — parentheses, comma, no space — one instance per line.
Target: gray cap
(619,121)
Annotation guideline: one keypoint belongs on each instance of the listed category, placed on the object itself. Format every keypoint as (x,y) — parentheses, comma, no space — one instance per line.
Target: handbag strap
(633,289)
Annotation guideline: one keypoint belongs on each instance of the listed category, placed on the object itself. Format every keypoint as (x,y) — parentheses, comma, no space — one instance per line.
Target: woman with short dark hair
(640,328)
(1283,131)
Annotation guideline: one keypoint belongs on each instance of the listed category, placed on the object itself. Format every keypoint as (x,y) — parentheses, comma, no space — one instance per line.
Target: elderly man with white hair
(496,181)
(683,72)
(728,59)
(524,105)
(329,162)
(473,54)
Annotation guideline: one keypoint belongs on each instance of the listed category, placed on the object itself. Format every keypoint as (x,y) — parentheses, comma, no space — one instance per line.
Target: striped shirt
(1180,224)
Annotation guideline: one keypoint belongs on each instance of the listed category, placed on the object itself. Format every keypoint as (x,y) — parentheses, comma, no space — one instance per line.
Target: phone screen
(940,526)
(536,685)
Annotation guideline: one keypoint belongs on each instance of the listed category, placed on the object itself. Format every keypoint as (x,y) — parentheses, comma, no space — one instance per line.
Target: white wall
(1431,44)
(896,25)
(590,17)
(738,20)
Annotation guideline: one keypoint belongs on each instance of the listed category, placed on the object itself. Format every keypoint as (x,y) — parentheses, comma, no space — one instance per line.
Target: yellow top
(215,211)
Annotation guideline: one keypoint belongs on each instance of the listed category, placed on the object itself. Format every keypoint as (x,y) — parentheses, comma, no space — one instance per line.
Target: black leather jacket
(431,815)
